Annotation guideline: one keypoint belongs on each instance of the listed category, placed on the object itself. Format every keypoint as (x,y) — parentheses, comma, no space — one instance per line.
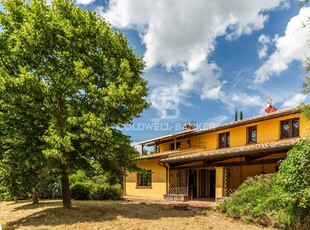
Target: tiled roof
(155,155)
(234,151)
(279,113)
(246,121)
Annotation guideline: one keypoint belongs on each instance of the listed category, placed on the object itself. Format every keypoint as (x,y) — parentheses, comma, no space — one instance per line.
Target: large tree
(70,79)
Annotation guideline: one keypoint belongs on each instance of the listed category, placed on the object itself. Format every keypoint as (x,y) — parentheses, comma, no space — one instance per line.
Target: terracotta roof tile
(250,120)
(234,151)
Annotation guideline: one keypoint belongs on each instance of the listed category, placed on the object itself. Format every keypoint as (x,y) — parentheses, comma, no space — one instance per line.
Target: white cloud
(217,121)
(294,45)
(264,41)
(214,93)
(296,100)
(182,34)
(246,100)
(83,2)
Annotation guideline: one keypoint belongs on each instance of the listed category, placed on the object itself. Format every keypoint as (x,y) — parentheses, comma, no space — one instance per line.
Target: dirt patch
(50,214)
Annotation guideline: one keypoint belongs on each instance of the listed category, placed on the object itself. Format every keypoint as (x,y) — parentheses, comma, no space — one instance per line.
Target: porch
(196,203)
(216,174)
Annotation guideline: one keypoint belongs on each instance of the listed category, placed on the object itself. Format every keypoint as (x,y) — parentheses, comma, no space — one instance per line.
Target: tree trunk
(65,188)
(35,199)
(66,195)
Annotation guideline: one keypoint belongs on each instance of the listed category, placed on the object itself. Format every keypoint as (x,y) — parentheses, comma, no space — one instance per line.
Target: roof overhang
(194,132)
(226,153)
(170,137)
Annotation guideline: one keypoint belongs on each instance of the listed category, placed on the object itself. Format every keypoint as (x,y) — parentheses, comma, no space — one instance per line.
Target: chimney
(270,108)
(188,126)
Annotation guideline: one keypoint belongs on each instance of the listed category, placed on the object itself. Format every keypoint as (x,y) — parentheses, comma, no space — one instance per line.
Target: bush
(250,198)
(4,194)
(105,192)
(283,198)
(79,176)
(92,191)
(52,190)
(80,191)
(294,179)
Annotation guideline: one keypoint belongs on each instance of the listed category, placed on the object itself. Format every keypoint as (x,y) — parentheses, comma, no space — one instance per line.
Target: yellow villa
(212,163)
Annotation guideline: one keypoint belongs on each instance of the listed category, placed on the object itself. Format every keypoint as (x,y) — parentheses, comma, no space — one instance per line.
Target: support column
(219,182)
(175,143)
(142,149)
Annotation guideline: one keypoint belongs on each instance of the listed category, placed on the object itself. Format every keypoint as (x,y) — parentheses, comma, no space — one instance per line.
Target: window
(178,144)
(145,178)
(224,140)
(252,135)
(290,128)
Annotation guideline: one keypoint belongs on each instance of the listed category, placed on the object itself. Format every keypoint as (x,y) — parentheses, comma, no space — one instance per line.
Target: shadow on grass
(49,214)
(28,205)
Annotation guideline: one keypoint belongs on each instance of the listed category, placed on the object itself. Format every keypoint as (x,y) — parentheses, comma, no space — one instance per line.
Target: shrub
(294,179)
(79,176)
(250,198)
(4,194)
(105,192)
(284,198)
(80,191)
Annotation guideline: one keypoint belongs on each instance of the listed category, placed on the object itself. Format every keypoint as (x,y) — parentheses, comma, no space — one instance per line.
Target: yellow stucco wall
(219,182)
(253,170)
(158,188)
(267,131)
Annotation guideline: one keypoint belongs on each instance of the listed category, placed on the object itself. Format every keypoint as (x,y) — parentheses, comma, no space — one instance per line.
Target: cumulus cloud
(247,100)
(181,35)
(264,41)
(293,45)
(84,2)
(296,100)
(183,32)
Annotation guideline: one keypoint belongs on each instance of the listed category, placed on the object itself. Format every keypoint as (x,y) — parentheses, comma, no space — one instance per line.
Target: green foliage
(50,189)
(4,194)
(80,191)
(241,115)
(105,192)
(66,81)
(92,191)
(79,177)
(249,199)
(294,179)
(236,116)
(283,198)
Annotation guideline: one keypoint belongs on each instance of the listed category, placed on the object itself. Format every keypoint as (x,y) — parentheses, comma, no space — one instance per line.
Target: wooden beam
(239,163)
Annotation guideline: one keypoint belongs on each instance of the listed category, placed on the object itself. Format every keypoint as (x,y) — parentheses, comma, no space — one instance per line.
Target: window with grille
(290,128)
(224,140)
(252,135)
(178,146)
(145,178)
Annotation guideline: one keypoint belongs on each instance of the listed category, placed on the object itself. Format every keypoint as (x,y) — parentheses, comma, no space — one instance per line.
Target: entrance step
(176,197)
(221,200)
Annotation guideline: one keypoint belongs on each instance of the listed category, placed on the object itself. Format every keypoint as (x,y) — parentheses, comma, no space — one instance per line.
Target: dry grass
(49,214)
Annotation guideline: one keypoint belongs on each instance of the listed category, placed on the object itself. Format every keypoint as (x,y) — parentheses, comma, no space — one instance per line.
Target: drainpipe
(164,165)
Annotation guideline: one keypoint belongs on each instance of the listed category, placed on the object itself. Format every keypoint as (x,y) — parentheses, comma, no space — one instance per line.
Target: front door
(192,184)
(212,183)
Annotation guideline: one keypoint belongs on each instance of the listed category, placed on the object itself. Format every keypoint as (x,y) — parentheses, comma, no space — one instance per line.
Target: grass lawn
(49,214)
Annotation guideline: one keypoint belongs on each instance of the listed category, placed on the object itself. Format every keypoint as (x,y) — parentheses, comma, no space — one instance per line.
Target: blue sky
(207,59)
